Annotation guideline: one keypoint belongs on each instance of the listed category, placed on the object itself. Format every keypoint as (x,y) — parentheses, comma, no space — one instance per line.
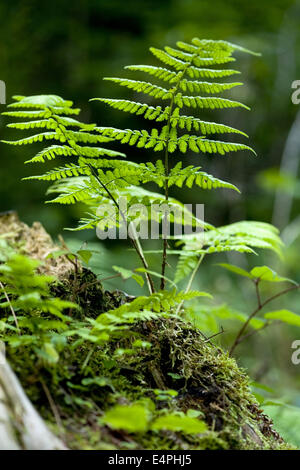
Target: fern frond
(205,127)
(206,87)
(36,138)
(197,144)
(144,139)
(133,107)
(158,72)
(78,195)
(28,114)
(40,101)
(186,264)
(168,59)
(64,172)
(207,103)
(50,153)
(246,234)
(241,237)
(196,72)
(172,77)
(178,59)
(219,57)
(192,175)
(214,47)
(142,87)
(132,137)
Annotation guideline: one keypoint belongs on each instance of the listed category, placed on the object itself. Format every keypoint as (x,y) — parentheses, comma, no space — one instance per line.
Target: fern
(183,70)
(192,75)
(241,237)
(54,113)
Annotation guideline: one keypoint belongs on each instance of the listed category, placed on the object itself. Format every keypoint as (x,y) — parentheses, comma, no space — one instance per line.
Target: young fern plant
(186,70)
(87,177)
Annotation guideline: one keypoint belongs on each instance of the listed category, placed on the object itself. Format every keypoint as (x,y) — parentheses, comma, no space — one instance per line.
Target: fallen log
(21,427)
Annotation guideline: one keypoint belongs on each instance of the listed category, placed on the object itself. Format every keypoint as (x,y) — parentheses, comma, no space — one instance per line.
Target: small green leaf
(57,253)
(127,274)
(262,387)
(173,422)
(175,376)
(264,273)
(138,343)
(285,316)
(85,255)
(50,353)
(235,269)
(132,418)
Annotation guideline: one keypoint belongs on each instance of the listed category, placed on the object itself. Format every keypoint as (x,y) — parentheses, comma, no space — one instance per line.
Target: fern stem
(135,242)
(192,277)
(189,285)
(165,240)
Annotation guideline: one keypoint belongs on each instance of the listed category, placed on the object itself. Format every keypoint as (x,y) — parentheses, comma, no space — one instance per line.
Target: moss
(205,378)
(209,382)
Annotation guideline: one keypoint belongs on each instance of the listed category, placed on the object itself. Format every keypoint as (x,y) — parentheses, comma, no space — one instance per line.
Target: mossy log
(211,382)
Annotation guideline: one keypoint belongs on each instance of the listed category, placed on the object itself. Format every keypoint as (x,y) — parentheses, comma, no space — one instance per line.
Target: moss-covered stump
(173,370)
(205,379)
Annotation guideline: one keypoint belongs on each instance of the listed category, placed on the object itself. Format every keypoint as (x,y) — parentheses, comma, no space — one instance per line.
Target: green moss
(205,379)
(89,379)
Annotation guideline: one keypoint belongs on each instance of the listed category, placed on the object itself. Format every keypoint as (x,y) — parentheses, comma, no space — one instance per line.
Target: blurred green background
(66,48)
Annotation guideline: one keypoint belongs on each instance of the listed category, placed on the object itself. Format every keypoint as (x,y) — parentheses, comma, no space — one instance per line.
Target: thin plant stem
(53,407)
(11,307)
(239,338)
(134,239)
(189,284)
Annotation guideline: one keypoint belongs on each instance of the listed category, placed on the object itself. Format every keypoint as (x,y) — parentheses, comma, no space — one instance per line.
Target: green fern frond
(142,87)
(54,113)
(64,172)
(50,153)
(40,101)
(197,144)
(168,59)
(171,77)
(186,264)
(158,72)
(192,175)
(78,195)
(178,59)
(241,237)
(214,47)
(72,190)
(187,61)
(207,103)
(144,139)
(196,72)
(205,127)
(149,112)
(194,86)
(28,114)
